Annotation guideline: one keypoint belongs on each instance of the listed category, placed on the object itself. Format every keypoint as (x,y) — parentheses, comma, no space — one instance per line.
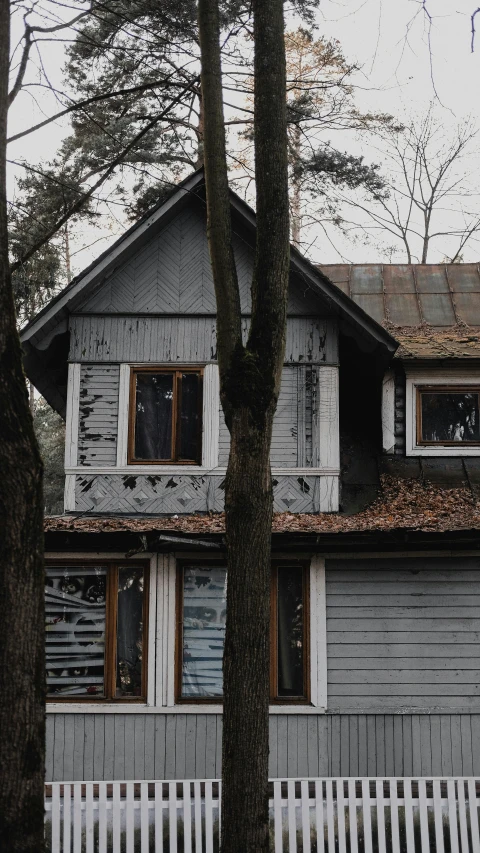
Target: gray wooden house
(376,465)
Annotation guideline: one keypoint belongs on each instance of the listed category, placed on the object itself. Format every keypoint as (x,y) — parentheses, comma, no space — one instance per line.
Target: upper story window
(448,415)
(96,631)
(165,416)
(201,633)
(442,412)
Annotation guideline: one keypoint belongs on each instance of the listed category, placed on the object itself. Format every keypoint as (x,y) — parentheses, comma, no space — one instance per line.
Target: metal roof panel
(372,303)
(366,279)
(402,309)
(398,278)
(468,308)
(431,279)
(464,278)
(437,309)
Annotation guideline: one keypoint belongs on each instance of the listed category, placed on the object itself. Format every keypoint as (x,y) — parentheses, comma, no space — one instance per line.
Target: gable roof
(55,313)
(433,310)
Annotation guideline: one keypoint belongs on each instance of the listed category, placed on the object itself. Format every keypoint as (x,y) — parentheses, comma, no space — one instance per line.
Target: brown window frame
(274,699)
(442,389)
(110,666)
(176,371)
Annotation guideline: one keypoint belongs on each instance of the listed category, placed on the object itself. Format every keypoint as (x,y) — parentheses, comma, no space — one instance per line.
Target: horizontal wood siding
(403,635)
(178,746)
(106,338)
(98,414)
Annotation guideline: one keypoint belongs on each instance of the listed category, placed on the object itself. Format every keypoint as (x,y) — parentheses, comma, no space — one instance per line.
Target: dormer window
(165,416)
(448,415)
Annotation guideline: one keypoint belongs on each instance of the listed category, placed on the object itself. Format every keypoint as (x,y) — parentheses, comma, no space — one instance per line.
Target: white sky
(388,38)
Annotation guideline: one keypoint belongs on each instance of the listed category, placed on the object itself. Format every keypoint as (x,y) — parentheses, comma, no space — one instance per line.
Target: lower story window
(96,631)
(201,633)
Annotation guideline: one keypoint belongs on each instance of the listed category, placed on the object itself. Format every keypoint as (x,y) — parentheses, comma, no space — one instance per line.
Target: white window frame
(162,638)
(416,379)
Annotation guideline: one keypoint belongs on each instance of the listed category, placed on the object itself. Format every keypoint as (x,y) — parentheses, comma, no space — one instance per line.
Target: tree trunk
(249,385)
(22,671)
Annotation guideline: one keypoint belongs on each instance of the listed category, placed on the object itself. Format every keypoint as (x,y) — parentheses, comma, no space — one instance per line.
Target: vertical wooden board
(398,753)
(211,745)
(452,816)
(473,815)
(149,746)
(438,817)
(200,755)
(139,746)
(109,754)
(180,737)
(436,745)
(344,746)
(277,817)
(425,745)
(389,748)
(313,747)
(416,746)
(119,754)
(407,745)
(475,724)
(394,816)
(49,746)
(302,753)
(170,746)
(444,745)
(272,746)
(407,784)
(129,747)
(218,755)
(69,745)
(323,746)
(422,801)
(190,740)
(160,727)
(99,752)
(381,833)
(457,762)
(371,746)
(335,749)
(305,817)
(357,744)
(79,746)
(462,817)
(88,770)
(467,753)
(292,746)
(282,749)
(380,745)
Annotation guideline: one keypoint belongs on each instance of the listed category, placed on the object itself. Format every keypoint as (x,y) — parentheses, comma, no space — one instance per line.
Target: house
(376,466)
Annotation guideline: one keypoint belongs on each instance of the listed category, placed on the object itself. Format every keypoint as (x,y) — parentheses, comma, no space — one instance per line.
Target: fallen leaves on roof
(428,342)
(401,504)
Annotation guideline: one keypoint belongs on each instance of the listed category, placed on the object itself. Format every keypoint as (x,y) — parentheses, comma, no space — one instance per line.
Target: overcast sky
(406,62)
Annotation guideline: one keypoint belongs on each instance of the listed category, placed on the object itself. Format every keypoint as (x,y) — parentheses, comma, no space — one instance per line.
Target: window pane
(450,416)
(129,631)
(290,640)
(204,613)
(190,417)
(153,415)
(75,629)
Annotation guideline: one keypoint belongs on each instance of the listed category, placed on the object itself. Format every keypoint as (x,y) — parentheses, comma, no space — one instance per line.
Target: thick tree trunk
(22,672)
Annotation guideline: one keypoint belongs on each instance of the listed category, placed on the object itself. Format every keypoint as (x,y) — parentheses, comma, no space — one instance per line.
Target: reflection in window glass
(449,416)
(75,630)
(129,632)
(290,632)
(189,416)
(204,614)
(153,415)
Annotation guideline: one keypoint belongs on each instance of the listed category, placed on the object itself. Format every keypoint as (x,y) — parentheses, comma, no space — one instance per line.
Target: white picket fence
(307,816)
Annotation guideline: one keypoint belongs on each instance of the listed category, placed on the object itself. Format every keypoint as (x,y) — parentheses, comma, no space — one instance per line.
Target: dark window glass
(449,416)
(75,601)
(204,614)
(290,632)
(129,632)
(153,415)
(189,416)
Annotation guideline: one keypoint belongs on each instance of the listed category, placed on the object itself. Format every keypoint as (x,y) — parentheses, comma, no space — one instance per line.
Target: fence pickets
(307,816)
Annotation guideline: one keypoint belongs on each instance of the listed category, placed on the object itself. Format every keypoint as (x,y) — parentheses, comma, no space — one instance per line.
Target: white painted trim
(318,633)
(69,493)
(123,400)
(388,412)
(433,377)
(211,416)
(132,708)
(72,415)
(152,622)
(328,419)
(197,470)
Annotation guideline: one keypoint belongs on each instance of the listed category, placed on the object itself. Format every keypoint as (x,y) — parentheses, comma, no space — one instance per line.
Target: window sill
(71,708)
(442,450)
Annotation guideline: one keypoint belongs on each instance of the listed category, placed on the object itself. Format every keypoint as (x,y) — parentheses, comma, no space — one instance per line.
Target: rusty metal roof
(432,310)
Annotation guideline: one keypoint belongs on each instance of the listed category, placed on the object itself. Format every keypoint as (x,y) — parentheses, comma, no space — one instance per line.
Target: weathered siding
(98,414)
(400,403)
(171,274)
(403,635)
(180,340)
(179,746)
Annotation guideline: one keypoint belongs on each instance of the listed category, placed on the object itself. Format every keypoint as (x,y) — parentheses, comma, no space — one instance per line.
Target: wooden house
(376,466)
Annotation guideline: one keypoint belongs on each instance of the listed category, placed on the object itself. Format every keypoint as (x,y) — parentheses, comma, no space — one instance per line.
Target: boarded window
(165,416)
(95,623)
(202,619)
(448,416)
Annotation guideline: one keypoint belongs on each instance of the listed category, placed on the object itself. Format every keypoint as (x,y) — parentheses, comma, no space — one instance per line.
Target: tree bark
(250,378)
(22,671)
